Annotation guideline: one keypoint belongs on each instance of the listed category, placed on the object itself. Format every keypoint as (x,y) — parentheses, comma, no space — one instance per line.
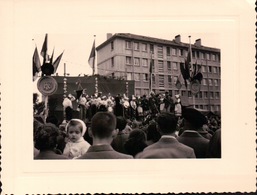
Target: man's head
(193,118)
(167,123)
(103,125)
(121,123)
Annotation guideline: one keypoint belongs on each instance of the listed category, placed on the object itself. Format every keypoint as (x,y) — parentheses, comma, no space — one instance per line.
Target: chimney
(109,35)
(178,38)
(198,42)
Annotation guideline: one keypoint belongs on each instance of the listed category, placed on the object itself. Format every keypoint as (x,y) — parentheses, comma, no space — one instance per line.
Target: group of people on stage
(115,133)
(135,107)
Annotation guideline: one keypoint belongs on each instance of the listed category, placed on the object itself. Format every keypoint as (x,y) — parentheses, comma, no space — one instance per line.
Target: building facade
(128,56)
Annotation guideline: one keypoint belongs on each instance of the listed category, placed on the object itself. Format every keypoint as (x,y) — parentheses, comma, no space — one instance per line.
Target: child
(76,145)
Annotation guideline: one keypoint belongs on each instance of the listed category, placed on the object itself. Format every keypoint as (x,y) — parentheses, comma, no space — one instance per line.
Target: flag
(43,52)
(57,61)
(150,72)
(188,63)
(91,59)
(178,84)
(36,65)
(51,59)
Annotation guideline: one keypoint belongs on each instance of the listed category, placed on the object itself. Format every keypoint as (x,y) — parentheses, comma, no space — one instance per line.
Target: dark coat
(194,140)
(167,147)
(103,152)
(48,155)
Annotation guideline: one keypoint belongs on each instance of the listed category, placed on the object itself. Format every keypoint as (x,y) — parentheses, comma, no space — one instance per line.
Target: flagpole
(208,86)
(190,68)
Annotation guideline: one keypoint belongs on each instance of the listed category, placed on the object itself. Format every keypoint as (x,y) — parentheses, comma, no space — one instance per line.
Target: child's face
(74,133)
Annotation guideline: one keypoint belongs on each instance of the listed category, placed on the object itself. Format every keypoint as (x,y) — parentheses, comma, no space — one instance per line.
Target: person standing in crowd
(167,146)
(193,121)
(214,149)
(76,146)
(136,142)
(103,130)
(178,107)
(118,107)
(46,141)
(153,104)
(83,105)
(67,104)
(122,136)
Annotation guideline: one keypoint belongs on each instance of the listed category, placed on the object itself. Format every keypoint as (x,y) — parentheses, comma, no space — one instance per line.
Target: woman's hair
(136,142)
(103,123)
(46,136)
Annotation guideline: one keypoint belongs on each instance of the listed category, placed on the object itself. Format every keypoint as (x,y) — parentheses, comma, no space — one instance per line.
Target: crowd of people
(119,127)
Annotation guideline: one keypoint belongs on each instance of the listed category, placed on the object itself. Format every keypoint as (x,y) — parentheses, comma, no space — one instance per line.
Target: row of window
(145,77)
(170,65)
(206,107)
(170,51)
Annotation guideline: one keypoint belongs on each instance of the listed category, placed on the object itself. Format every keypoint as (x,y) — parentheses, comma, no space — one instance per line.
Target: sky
(77,47)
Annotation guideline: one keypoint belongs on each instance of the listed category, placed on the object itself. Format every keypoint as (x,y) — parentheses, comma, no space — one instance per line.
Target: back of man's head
(167,123)
(103,124)
(121,123)
(194,118)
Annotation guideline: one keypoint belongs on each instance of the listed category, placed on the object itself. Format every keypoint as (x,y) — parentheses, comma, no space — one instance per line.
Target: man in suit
(167,146)
(103,130)
(193,121)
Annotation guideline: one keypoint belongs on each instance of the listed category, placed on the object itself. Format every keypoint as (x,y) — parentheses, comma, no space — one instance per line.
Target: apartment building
(128,56)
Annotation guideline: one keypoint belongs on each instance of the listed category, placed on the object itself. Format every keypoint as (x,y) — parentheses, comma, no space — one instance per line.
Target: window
(217,95)
(215,82)
(129,76)
(175,79)
(193,54)
(144,62)
(169,79)
(204,82)
(175,65)
(214,69)
(112,46)
(161,80)
(112,59)
(209,68)
(203,68)
(128,44)
(210,82)
(211,95)
(200,94)
(198,54)
(128,60)
(201,55)
(180,52)
(168,66)
(151,48)
(144,47)
(205,94)
(173,51)
(136,61)
(145,77)
(213,57)
(160,66)
(189,94)
(136,76)
(208,56)
(168,51)
(184,93)
(136,46)
(160,52)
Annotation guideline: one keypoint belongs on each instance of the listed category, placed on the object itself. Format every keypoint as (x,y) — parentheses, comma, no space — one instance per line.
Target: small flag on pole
(91,59)
(43,52)
(51,59)
(36,65)
(57,61)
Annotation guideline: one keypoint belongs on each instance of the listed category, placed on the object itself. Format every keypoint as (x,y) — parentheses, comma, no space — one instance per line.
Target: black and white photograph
(148,97)
(127,97)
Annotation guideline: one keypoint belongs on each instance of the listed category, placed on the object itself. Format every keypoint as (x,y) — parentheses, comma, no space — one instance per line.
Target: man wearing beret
(193,121)
(167,146)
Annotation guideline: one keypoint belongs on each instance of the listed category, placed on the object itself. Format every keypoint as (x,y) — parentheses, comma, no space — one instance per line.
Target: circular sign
(47,85)
(195,86)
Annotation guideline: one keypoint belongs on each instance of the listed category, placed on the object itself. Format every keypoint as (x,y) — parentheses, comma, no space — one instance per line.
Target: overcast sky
(77,47)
